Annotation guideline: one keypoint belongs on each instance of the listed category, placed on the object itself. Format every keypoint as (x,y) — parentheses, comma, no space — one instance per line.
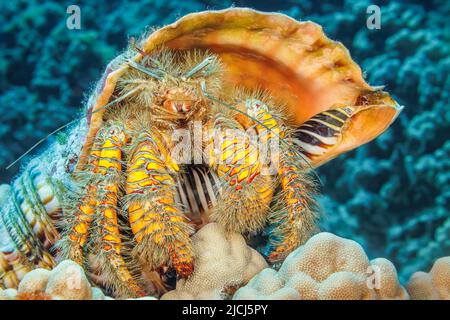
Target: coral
(223,262)
(68,281)
(34,282)
(434,285)
(326,267)
(65,282)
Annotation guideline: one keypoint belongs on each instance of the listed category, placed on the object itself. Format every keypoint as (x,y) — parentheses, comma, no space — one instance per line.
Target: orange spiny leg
(246,194)
(292,220)
(161,231)
(84,217)
(108,242)
(84,210)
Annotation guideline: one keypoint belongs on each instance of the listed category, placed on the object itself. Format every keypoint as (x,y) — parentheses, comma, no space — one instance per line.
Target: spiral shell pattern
(30,210)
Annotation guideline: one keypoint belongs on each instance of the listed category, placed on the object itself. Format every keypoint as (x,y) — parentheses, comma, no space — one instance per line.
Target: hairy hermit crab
(258,98)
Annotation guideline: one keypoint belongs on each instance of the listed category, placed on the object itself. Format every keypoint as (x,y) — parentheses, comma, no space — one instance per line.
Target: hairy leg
(161,231)
(291,220)
(106,240)
(246,194)
(96,215)
(80,216)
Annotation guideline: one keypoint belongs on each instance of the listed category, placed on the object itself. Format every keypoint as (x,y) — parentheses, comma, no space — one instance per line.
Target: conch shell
(294,61)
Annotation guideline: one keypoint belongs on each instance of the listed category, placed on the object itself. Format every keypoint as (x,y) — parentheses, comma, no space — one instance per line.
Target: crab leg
(99,205)
(83,212)
(109,242)
(246,194)
(161,231)
(320,133)
(290,222)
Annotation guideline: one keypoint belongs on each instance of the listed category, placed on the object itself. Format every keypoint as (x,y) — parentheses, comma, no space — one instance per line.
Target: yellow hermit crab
(258,99)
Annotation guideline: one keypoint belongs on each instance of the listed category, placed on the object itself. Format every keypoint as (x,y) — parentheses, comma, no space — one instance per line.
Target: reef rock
(327,267)
(223,262)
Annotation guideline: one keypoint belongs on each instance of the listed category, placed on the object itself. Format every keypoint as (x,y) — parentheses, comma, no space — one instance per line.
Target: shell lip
(313,86)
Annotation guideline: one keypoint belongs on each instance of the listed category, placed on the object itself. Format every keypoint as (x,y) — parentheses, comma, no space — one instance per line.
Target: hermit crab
(257,99)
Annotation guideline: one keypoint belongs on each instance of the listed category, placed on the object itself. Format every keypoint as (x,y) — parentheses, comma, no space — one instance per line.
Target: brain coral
(326,267)
(223,262)
(434,285)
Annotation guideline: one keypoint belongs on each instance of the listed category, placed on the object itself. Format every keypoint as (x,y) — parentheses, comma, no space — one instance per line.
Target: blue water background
(392,195)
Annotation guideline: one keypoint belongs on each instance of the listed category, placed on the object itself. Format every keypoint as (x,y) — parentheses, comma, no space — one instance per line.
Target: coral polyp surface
(327,267)
(224,262)
(434,285)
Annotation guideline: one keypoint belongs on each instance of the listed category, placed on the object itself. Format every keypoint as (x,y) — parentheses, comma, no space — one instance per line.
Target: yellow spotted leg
(291,221)
(246,193)
(109,243)
(161,231)
(83,213)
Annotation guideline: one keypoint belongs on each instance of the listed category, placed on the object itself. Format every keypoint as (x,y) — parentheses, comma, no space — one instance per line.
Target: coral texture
(223,262)
(65,282)
(434,285)
(327,267)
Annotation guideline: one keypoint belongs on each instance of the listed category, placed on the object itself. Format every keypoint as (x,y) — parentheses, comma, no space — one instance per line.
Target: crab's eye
(181,106)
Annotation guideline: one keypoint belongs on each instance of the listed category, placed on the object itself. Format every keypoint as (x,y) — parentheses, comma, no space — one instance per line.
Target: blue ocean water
(392,195)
